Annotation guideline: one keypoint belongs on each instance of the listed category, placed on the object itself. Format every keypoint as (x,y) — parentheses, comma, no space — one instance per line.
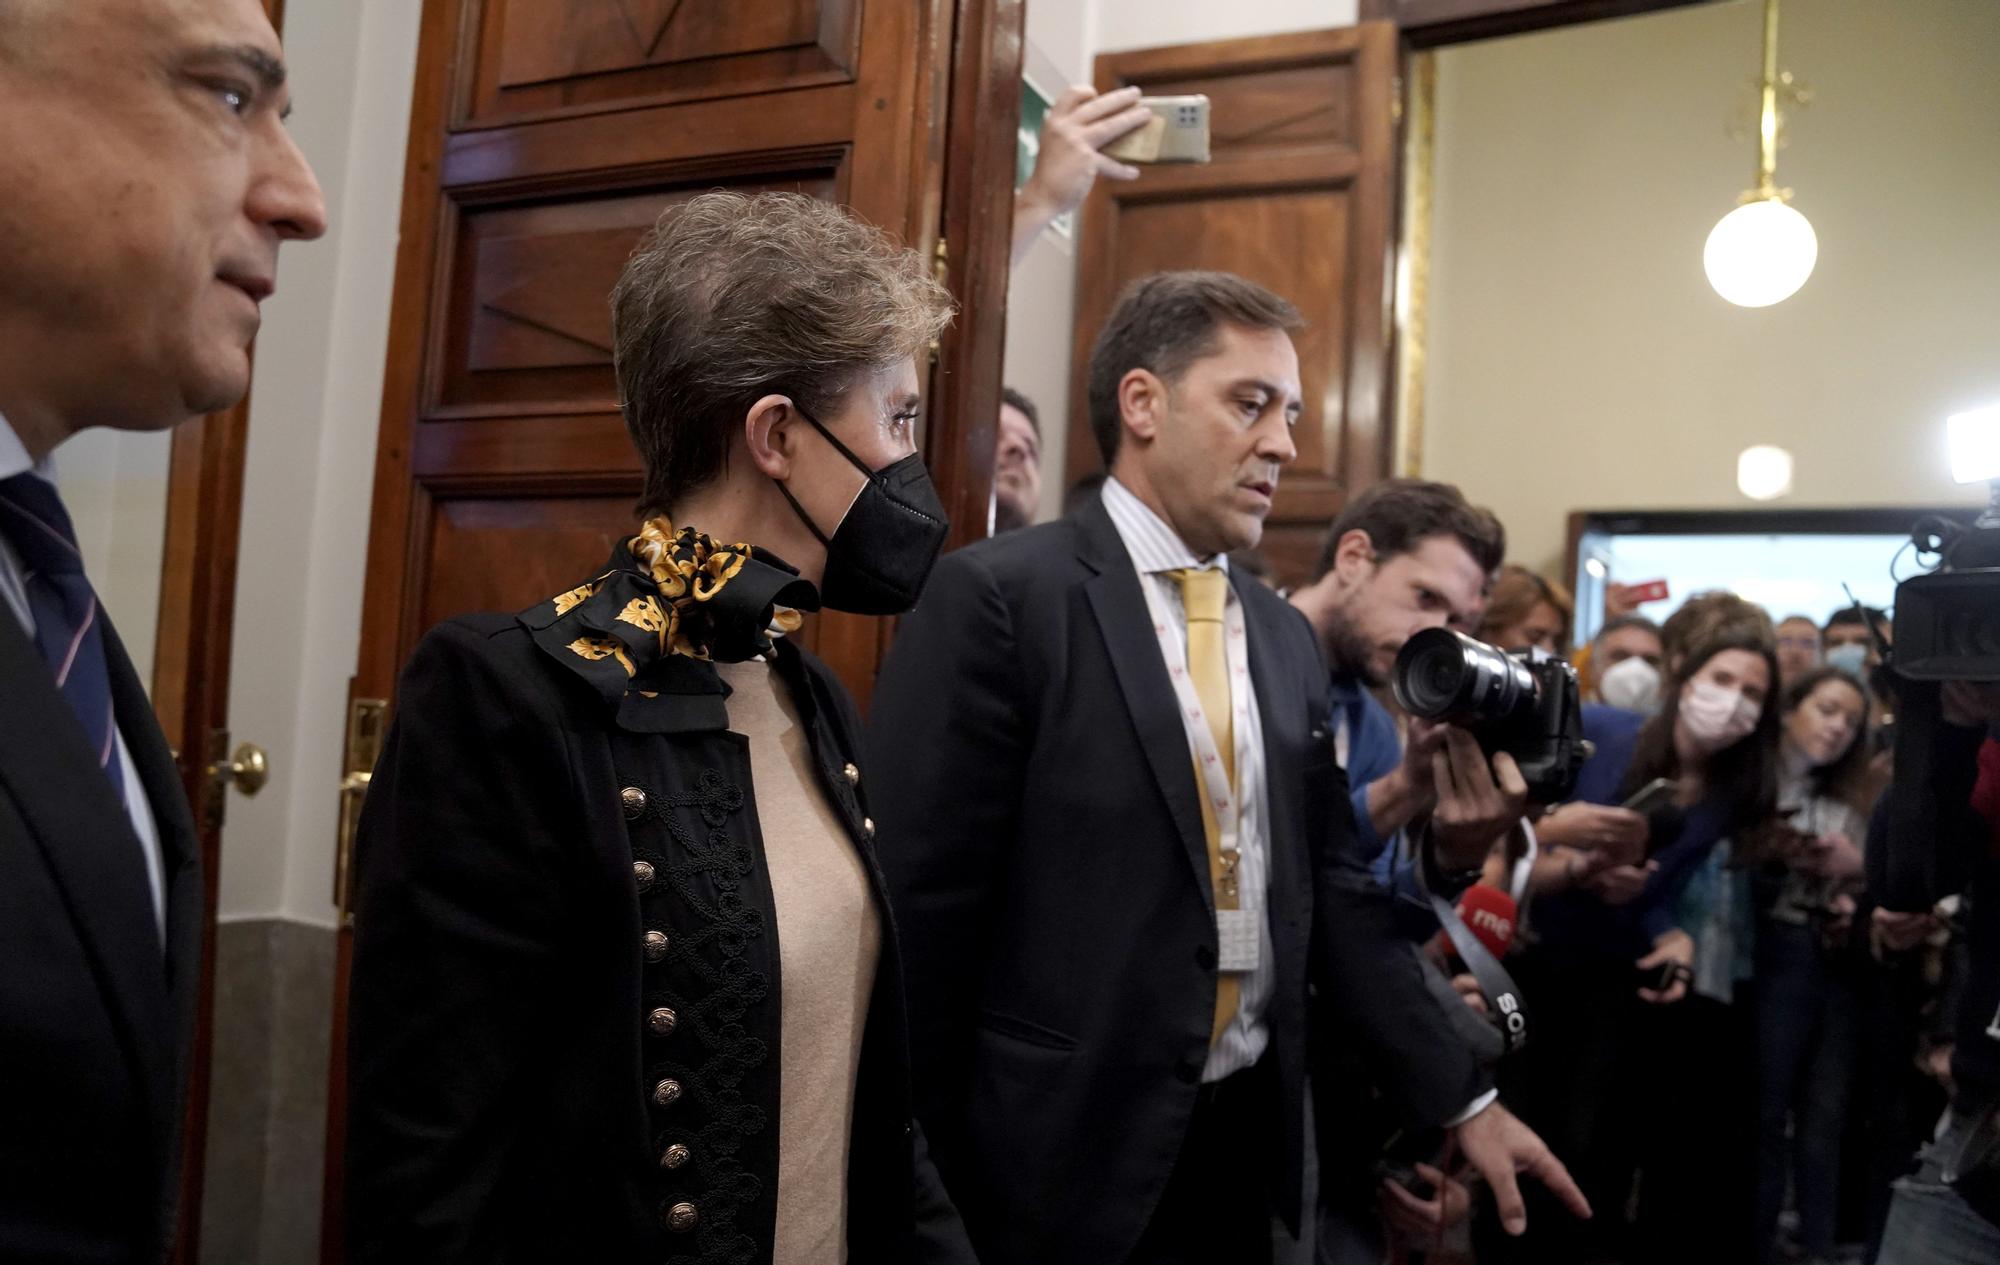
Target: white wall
(314,407)
(1064,38)
(1579,359)
(1123,24)
(114,484)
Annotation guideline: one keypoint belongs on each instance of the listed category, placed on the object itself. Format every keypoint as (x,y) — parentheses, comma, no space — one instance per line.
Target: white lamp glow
(1973,439)
(1760,253)
(1764,472)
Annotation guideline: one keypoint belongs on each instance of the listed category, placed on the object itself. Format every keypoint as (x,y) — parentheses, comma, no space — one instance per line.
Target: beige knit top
(829,939)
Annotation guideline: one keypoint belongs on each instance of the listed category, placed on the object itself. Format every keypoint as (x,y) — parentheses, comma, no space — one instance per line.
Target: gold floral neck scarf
(668,595)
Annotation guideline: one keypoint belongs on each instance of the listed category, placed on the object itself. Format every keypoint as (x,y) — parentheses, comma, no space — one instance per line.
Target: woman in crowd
(1526,610)
(1613,1058)
(625,983)
(1807,1002)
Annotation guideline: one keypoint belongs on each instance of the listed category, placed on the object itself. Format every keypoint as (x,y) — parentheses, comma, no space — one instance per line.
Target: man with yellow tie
(1120,850)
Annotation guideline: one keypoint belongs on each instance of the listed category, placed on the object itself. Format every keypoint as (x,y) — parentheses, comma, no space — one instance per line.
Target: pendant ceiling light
(1763,251)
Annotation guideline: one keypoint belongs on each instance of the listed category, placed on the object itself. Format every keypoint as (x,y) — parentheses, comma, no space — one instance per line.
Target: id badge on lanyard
(1238,930)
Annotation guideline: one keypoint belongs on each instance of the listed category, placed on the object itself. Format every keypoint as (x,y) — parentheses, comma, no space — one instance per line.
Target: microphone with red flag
(1491,913)
(1476,936)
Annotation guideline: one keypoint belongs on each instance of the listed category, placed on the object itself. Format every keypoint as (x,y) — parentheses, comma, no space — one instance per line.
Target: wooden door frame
(194,638)
(1432,23)
(191,700)
(985,102)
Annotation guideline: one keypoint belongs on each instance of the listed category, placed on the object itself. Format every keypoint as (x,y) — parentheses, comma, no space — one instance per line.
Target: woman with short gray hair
(625,981)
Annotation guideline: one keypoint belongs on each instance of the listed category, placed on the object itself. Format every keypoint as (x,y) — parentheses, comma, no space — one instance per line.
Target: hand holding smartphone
(1177,133)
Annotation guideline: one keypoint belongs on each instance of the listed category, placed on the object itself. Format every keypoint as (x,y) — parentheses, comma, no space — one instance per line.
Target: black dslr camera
(1524,703)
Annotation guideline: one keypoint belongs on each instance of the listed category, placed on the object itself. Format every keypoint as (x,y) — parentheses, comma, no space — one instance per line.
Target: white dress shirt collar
(1153,543)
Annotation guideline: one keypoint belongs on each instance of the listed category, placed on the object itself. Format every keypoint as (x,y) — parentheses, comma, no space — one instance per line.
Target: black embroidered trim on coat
(708,981)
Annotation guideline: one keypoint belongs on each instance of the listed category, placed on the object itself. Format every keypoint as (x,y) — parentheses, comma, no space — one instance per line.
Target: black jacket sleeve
(1367,973)
(947,703)
(456,911)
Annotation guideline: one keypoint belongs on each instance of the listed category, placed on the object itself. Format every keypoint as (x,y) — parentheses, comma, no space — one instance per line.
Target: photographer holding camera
(1404,556)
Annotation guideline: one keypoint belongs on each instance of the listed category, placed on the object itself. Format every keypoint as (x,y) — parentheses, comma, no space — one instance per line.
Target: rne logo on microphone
(1502,928)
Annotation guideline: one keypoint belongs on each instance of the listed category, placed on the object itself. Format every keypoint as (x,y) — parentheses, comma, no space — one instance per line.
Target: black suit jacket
(95,1017)
(1045,854)
(502,1069)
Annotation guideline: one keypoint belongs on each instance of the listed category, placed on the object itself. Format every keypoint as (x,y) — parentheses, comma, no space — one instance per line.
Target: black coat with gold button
(565,1036)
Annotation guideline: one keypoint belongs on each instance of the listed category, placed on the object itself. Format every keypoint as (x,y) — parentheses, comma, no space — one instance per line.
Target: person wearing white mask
(1622,1071)
(1625,663)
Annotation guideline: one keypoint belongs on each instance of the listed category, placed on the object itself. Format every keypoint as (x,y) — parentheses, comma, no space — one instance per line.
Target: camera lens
(1446,676)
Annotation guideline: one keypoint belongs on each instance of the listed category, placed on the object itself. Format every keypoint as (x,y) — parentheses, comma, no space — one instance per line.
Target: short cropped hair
(1400,514)
(1165,322)
(1619,623)
(732,297)
(1865,616)
(1024,406)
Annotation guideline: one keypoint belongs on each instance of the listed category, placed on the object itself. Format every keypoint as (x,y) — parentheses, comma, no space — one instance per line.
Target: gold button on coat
(662,1021)
(633,801)
(667,1093)
(868,826)
(655,943)
(681,1218)
(852,774)
(642,874)
(675,1156)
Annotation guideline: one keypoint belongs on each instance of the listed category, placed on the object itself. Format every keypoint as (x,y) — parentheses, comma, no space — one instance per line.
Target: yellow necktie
(1203,594)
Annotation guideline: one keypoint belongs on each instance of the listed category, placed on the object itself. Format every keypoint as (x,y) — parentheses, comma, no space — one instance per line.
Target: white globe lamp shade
(1764,473)
(1760,253)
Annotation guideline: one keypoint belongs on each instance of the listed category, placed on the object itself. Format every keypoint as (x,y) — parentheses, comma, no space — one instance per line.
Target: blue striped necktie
(69,625)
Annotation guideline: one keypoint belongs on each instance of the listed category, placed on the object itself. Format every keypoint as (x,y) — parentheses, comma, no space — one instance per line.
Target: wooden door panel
(1298,197)
(527,318)
(537,58)
(505,553)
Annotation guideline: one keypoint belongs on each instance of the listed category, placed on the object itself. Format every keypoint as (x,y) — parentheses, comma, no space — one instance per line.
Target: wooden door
(1299,197)
(193,637)
(545,137)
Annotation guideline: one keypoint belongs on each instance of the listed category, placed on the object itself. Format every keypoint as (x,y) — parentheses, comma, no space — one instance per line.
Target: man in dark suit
(1120,846)
(148,182)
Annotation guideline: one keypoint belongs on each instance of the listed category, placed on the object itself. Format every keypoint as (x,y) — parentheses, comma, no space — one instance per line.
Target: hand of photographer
(1497,1144)
(1832,856)
(1898,932)
(1619,884)
(1420,1221)
(1406,790)
(1616,835)
(1677,947)
(1079,123)
(1971,704)
(1477,800)
(1467,987)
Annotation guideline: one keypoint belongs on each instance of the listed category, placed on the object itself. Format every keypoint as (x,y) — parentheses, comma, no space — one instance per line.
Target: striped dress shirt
(1157,551)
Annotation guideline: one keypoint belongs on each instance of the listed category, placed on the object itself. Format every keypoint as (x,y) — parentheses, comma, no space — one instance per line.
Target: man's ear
(1354,556)
(769,435)
(1142,404)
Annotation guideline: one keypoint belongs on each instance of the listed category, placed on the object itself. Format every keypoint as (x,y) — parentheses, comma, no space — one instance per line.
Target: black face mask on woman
(882,552)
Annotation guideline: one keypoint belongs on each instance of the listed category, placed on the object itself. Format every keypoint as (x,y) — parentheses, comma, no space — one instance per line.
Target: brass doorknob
(248,768)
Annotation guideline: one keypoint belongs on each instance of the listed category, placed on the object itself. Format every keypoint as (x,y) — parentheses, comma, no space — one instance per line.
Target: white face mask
(1716,716)
(1631,685)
